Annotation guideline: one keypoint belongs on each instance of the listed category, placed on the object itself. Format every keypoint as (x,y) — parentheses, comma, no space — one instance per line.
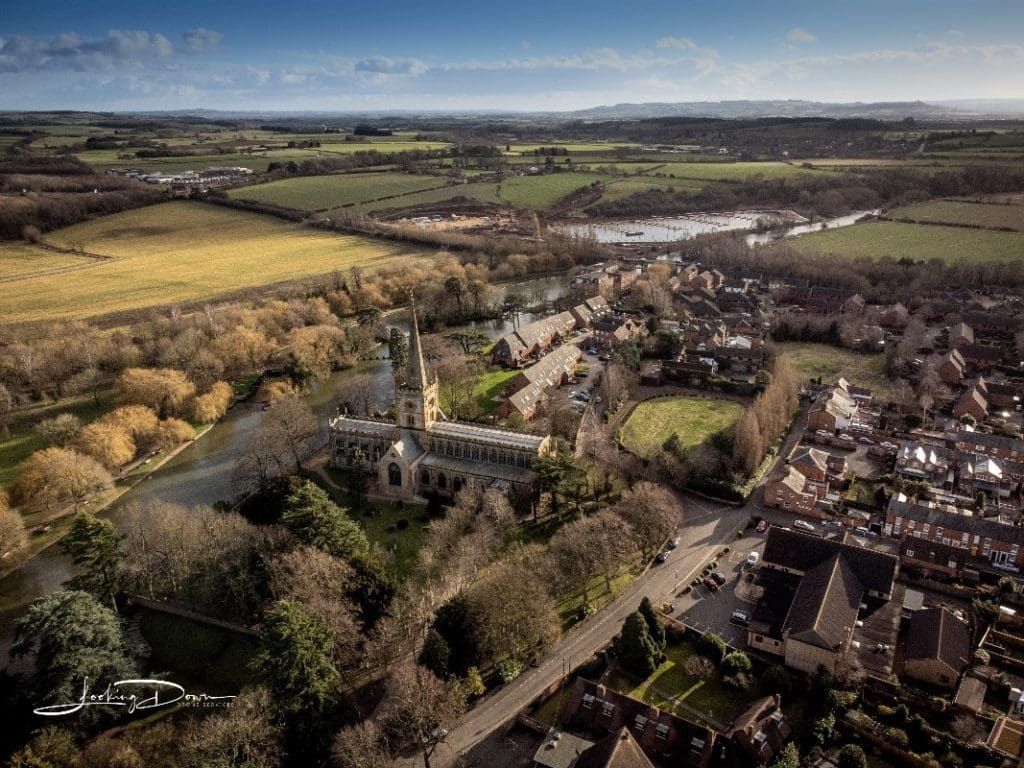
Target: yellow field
(21,260)
(183,251)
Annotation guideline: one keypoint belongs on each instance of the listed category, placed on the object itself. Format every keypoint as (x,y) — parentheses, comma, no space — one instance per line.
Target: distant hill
(882,110)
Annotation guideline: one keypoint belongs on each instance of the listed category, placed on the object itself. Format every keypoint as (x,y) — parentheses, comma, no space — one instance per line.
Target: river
(201,473)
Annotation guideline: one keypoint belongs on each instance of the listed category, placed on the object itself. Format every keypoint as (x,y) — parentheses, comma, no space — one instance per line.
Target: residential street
(706,528)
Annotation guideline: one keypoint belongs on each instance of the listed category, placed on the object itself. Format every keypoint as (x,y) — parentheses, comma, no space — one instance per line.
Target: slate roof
(616,750)
(458,466)
(935,633)
(825,605)
(458,430)
(802,552)
(978,526)
(384,430)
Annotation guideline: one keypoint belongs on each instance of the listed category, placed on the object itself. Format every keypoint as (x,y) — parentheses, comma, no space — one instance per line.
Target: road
(708,527)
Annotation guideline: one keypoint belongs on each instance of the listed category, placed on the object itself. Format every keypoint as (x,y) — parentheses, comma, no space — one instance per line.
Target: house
(527,390)
(823,301)
(834,411)
(560,750)
(815,464)
(616,750)
(979,357)
(970,696)
(937,647)
(960,334)
(663,736)
(971,403)
(992,322)
(760,731)
(951,368)
(996,446)
(586,313)
(919,461)
(1001,394)
(533,339)
(795,493)
(932,556)
(611,330)
(984,538)
(813,589)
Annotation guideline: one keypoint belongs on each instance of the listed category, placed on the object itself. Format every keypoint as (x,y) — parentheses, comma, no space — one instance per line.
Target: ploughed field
(179,252)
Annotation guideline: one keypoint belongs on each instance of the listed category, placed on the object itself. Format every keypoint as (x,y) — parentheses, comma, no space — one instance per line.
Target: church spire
(417,374)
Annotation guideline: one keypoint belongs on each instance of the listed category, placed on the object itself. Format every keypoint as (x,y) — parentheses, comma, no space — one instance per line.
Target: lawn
(184,251)
(483,192)
(544,191)
(598,593)
(319,193)
(22,440)
(954,212)
(736,171)
(920,242)
(19,259)
(673,689)
(215,659)
(693,419)
(489,387)
(828,363)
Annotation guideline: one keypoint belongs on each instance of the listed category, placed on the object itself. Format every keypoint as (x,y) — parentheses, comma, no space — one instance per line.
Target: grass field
(319,193)
(23,259)
(183,251)
(955,212)
(489,386)
(897,240)
(828,363)
(694,419)
(735,171)
(484,192)
(543,192)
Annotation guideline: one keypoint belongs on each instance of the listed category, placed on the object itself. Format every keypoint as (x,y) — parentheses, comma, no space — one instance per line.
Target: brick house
(795,493)
(982,538)
(611,330)
(834,411)
(996,446)
(529,388)
(960,334)
(971,403)
(937,647)
(761,731)
(932,556)
(951,368)
(533,340)
(662,735)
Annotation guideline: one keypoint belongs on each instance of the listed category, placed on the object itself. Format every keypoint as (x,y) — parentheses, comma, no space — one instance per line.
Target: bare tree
(457,376)
(360,746)
(599,545)
(417,704)
(58,475)
(291,424)
(653,513)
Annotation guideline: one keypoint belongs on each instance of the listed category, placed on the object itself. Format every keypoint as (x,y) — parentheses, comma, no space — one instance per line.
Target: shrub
(402,524)
(735,663)
(712,646)
(509,670)
(896,736)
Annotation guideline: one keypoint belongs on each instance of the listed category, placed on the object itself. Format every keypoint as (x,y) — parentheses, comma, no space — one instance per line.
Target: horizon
(114,56)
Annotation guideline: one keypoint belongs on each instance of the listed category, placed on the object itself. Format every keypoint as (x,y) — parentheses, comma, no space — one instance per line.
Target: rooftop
(458,430)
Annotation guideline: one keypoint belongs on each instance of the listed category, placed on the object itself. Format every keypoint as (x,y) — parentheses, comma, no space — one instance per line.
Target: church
(423,453)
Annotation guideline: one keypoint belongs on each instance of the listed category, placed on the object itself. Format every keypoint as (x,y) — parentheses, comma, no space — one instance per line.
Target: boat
(634,234)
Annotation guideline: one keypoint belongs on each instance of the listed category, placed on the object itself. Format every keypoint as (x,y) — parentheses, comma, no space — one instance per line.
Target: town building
(421,453)
(835,410)
(937,647)
(529,388)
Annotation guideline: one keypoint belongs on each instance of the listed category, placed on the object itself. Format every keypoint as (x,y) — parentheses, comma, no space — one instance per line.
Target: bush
(852,756)
(509,670)
(736,663)
(712,646)
(776,680)
(896,736)
(402,524)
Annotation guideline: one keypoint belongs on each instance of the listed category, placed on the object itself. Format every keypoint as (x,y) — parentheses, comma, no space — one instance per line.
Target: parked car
(672,543)
(663,556)
(863,531)
(822,433)
(888,446)
(752,559)
(762,526)
(719,577)
(865,441)
(711,584)
(803,525)
(740,617)
(846,438)
(605,358)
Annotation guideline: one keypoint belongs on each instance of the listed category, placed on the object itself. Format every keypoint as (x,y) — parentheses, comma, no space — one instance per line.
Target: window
(588,701)
(409,421)
(910,553)
(394,474)
(661,732)
(424,477)
(641,722)
(442,481)
(607,709)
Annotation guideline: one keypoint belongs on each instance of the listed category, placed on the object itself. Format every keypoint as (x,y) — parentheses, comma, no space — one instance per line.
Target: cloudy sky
(444,55)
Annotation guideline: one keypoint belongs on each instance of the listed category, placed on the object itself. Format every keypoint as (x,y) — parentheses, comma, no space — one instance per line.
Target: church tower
(417,396)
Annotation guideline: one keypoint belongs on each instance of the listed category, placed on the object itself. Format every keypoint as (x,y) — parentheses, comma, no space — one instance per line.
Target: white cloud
(678,43)
(202,40)
(69,52)
(800,35)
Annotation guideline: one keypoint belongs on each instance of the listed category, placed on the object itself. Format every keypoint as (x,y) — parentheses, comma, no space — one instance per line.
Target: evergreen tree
(372,587)
(789,757)
(436,654)
(655,626)
(75,640)
(852,756)
(316,520)
(635,648)
(95,547)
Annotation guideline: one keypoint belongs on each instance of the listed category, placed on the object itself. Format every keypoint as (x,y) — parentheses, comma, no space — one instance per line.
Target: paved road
(708,527)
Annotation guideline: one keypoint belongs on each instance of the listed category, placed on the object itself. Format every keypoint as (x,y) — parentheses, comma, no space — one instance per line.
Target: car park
(740,617)
(803,525)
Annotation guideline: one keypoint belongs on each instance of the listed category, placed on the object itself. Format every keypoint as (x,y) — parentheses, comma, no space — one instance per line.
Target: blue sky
(444,55)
